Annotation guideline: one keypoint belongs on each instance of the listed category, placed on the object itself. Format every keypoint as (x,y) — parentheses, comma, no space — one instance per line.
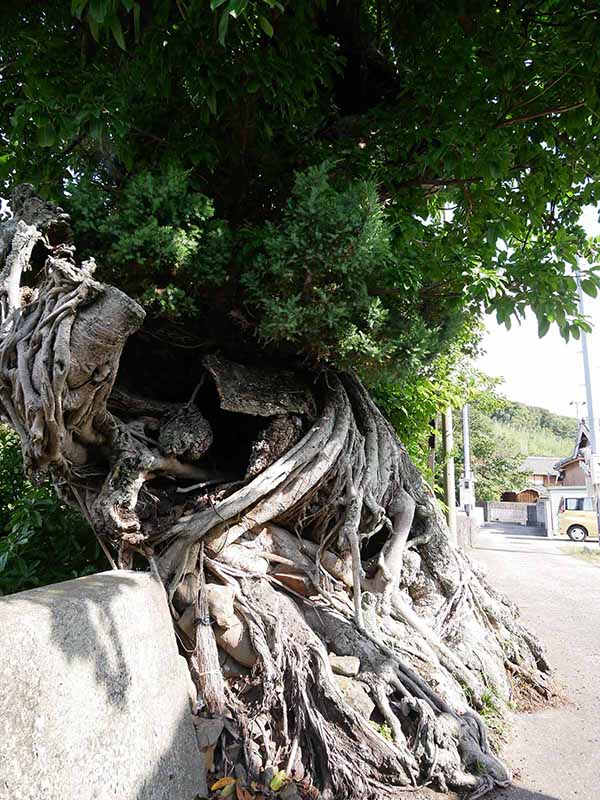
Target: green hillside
(503,434)
(535,431)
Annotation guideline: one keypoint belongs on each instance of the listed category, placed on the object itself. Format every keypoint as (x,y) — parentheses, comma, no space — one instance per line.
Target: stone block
(94,698)
(344,665)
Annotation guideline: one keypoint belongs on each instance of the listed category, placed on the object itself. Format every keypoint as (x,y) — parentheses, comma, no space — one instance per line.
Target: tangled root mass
(329,623)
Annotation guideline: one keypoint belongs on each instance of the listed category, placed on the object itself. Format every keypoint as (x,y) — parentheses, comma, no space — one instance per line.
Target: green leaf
(98,9)
(214,4)
(494,169)
(543,326)
(237,7)
(212,103)
(77,7)
(136,22)
(96,129)
(265,25)
(223,25)
(94,27)
(117,32)
(45,135)
(589,287)
(571,258)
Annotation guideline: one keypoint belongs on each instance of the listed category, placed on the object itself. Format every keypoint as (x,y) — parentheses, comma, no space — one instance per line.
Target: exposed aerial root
(314,587)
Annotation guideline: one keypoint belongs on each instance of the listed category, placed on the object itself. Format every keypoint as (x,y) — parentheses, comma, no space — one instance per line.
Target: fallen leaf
(228,790)
(243,794)
(221,783)
(278,780)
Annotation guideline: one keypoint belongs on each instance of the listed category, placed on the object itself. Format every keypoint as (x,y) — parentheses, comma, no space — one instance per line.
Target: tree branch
(438,182)
(507,123)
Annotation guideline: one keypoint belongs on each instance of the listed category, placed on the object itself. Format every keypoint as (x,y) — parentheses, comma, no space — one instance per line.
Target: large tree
(298,202)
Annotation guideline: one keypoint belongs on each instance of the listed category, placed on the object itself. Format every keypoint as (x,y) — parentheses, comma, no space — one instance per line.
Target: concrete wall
(94,697)
(506,512)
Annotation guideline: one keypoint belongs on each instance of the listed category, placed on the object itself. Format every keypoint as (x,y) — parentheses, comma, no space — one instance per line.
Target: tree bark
(325,542)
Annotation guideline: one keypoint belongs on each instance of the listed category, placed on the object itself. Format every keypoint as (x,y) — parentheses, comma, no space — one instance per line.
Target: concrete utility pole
(577,403)
(449,479)
(466,489)
(591,459)
(434,426)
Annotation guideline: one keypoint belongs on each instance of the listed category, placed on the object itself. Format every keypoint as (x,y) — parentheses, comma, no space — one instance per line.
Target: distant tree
(503,434)
(496,458)
(526,417)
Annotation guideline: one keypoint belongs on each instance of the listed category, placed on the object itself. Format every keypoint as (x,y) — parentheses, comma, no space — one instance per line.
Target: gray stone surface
(93,694)
(344,665)
(356,694)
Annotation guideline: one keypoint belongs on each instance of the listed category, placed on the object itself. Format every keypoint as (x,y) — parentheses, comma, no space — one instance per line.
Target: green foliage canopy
(460,141)
(413,406)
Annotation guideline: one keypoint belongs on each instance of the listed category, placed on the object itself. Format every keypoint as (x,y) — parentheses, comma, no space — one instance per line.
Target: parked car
(577,518)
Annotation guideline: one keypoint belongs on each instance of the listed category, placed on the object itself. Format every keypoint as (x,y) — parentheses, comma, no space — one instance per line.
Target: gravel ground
(553,752)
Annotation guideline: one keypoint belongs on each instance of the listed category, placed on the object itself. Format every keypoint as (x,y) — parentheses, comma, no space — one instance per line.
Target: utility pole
(467,483)
(433,426)
(591,458)
(449,479)
(577,403)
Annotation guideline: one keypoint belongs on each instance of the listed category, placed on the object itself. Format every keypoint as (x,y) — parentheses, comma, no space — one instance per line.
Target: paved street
(553,752)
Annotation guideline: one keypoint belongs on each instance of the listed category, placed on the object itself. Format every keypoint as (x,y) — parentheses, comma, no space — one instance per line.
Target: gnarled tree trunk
(289,528)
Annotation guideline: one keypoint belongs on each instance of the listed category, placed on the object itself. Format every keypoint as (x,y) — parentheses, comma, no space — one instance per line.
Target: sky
(545,372)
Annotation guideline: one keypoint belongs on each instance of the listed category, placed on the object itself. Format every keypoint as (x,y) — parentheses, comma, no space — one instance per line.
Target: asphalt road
(553,752)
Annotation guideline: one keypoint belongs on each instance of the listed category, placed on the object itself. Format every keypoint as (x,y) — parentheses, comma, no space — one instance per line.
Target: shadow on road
(520,793)
(521,532)
(516,549)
